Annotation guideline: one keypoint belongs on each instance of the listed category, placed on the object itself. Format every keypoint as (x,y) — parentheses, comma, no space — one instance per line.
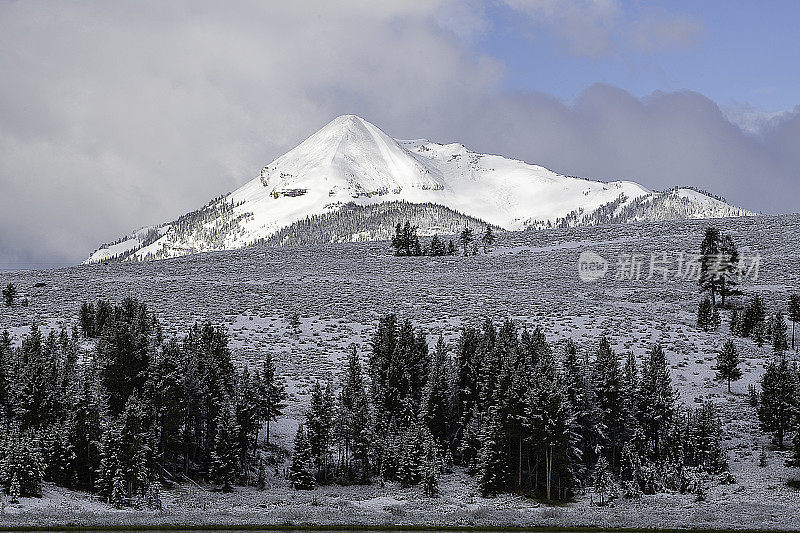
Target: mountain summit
(351,162)
(350,154)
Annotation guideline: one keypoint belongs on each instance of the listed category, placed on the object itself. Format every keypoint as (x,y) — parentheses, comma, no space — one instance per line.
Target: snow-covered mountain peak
(353,155)
(351,161)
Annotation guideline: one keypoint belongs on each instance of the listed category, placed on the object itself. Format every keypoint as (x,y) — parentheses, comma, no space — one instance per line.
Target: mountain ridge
(352,161)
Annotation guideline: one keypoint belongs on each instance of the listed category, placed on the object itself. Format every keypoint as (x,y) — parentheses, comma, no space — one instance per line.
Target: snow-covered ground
(340,290)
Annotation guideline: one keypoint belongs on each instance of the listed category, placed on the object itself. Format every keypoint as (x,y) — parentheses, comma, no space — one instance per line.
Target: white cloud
(117,115)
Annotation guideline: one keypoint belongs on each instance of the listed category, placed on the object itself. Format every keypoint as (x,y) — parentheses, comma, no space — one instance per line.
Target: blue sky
(740,53)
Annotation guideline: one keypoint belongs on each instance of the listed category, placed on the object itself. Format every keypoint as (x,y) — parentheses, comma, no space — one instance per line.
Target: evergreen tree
(729,263)
(6,381)
(300,471)
(271,394)
(21,464)
(37,380)
(451,248)
(603,480)
(715,321)
(735,323)
(430,476)
(437,247)
(319,421)
(728,364)
(466,237)
(492,463)
(704,312)
(488,239)
(124,352)
(225,455)
(354,420)
(794,312)
(246,406)
(579,394)
(84,432)
(656,399)
(752,317)
(86,317)
(777,331)
(10,294)
(778,403)
(709,266)
(436,402)
(553,426)
(718,263)
(607,384)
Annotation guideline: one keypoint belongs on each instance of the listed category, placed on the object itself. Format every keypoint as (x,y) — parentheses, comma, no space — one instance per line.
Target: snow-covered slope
(352,161)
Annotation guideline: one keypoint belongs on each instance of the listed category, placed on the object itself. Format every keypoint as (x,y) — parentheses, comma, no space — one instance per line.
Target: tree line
(517,413)
(520,412)
(137,412)
(406,242)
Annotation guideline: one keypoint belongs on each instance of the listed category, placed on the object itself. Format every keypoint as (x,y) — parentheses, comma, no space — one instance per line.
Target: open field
(340,291)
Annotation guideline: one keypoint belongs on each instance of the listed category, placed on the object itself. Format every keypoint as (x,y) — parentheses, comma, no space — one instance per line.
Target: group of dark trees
(136,411)
(405,242)
(517,414)
(9,294)
(778,404)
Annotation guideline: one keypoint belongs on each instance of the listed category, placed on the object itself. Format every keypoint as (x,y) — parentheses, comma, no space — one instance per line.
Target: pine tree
(735,323)
(718,263)
(437,247)
(451,248)
(656,399)
(579,394)
(436,402)
(778,402)
(354,423)
(271,394)
(118,496)
(709,266)
(704,315)
(411,461)
(10,294)
(729,263)
(715,320)
(794,312)
(488,239)
(300,471)
(607,385)
(553,426)
(466,237)
(777,331)
(246,408)
(603,480)
(86,317)
(225,454)
(728,363)
(319,424)
(430,477)
(5,377)
(492,464)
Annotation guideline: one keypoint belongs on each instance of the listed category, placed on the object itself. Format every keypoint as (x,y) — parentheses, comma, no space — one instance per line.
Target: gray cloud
(118,115)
